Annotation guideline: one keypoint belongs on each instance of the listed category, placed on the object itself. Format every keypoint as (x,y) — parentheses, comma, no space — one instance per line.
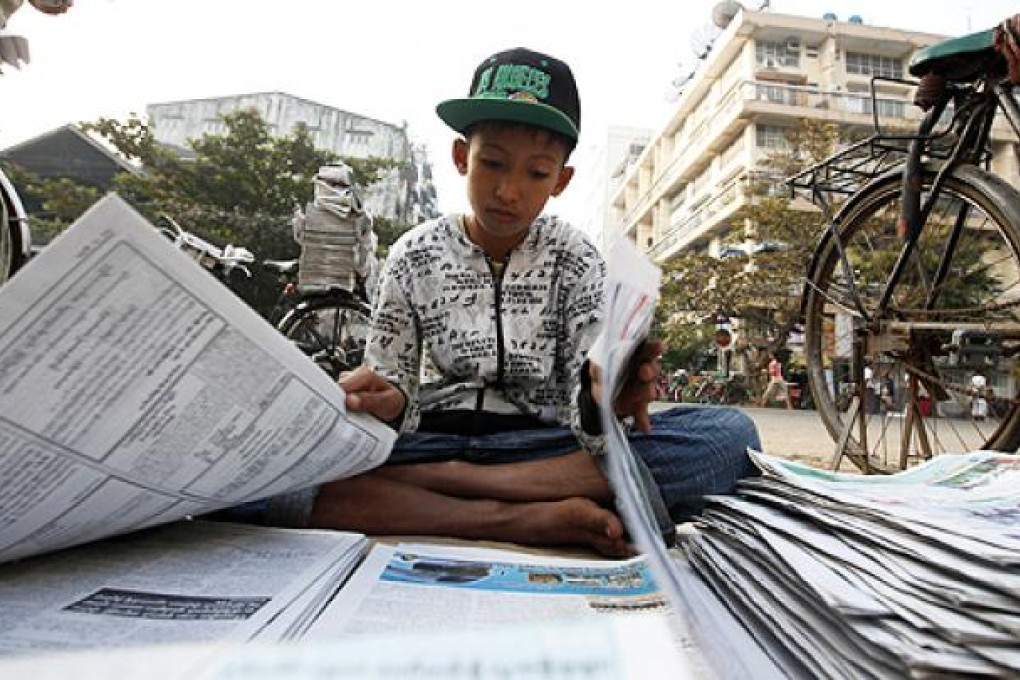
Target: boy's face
(511,173)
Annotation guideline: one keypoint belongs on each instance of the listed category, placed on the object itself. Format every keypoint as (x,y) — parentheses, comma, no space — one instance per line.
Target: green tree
(62,201)
(238,187)
(761,288)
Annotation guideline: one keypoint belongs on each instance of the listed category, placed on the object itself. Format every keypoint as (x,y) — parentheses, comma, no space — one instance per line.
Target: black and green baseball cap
(519,86)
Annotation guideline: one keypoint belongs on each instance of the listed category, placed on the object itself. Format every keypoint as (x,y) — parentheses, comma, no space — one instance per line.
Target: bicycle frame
(972,121)
(975,106)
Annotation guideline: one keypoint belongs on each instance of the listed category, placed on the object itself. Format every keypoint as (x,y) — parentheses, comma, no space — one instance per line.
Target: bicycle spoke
(961,280)
(332,330)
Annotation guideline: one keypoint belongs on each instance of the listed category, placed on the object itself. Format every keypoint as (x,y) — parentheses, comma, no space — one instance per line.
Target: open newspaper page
(598,648)
(416,588)
(632,288)
(186,582)
(135,390)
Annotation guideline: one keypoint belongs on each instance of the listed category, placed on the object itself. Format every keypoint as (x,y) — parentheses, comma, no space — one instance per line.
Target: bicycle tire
(983,288)
(13,249)
(6,245)
(330,328)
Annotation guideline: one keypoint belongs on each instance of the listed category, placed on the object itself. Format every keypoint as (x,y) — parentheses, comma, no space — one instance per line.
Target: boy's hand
(641,386)
(368,392)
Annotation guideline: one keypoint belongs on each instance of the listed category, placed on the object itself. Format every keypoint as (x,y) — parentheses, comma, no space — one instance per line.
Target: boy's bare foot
(374,504)
(548,479)
(572,521)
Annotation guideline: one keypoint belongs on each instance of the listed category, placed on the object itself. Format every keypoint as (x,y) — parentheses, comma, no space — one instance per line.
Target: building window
(863,64)
(781,94)
(771,137)
(358,137)
(888,108)
(773,53)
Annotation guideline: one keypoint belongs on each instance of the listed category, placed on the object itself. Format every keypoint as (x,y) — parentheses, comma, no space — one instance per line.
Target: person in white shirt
(978,397)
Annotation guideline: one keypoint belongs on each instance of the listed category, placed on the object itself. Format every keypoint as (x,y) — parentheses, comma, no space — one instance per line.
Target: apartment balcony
(749,101)
(705,219)
(846,107)
(859,109)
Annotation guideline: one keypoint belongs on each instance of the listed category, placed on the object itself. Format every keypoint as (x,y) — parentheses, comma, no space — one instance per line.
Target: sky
(392,60)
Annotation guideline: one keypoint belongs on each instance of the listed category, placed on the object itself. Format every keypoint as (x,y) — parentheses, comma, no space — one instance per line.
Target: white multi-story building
(765,73)
(406,194)
(608,161)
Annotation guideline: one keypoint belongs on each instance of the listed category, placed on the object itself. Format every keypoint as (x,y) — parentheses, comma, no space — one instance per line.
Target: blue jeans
(691,452)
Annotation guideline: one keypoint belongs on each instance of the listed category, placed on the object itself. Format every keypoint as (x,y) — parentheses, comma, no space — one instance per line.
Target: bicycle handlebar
(225,259)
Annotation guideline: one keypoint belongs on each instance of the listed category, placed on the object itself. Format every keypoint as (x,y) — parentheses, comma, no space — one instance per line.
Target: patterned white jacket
(454,333)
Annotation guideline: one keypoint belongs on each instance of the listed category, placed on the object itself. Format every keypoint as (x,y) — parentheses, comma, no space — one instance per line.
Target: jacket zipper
(497,284)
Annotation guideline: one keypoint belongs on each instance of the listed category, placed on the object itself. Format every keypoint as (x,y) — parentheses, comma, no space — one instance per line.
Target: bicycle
(329,324)
(15,238)
(331,314)
(923,250)
(221,262)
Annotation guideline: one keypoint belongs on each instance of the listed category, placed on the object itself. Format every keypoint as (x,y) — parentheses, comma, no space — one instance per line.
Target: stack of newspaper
(839,575)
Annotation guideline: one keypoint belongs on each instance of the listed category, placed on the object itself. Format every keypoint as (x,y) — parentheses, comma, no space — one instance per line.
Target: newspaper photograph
(417,588)
(135,389)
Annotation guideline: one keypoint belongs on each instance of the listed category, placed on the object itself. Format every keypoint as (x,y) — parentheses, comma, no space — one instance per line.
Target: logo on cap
(513,81)
(518,85)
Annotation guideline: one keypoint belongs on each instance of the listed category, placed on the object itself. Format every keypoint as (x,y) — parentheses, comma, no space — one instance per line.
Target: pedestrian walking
(777,383)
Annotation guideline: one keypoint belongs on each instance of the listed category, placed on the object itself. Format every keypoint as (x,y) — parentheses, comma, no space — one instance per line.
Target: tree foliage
(62,201)
(238,187)
(760,287)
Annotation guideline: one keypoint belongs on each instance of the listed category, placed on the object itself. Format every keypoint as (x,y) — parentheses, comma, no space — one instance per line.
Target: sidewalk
(793,434)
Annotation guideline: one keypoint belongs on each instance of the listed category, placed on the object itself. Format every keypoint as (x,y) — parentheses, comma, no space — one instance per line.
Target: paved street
(793,434)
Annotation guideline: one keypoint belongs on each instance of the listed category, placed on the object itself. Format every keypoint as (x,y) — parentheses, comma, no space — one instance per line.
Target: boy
(478,353)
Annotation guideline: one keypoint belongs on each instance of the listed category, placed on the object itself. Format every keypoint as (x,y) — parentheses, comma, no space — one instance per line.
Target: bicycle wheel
(6,245)
(903,396)
(13,246)
(331,329)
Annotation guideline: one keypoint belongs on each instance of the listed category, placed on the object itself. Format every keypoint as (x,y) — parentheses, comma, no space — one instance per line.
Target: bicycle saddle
(962,59)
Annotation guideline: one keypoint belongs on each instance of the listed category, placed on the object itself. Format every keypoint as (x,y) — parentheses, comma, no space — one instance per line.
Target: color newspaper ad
(415,588)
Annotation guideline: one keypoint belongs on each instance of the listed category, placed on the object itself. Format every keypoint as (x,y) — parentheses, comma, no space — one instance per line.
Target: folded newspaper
(729,650)
(135,391)
(183,583)
(911,575)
